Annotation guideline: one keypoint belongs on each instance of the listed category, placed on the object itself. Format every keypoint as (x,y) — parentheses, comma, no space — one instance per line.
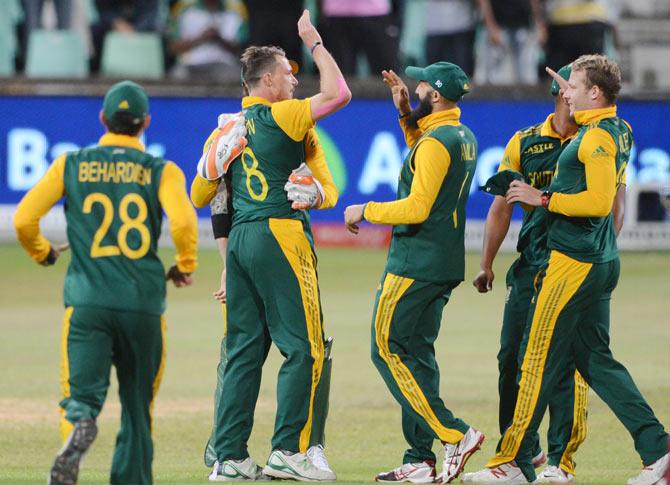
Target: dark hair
(124,123)
(602,72)
(257,60)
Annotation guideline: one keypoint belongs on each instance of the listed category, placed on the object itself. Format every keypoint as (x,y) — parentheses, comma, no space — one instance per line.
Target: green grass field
(364,435)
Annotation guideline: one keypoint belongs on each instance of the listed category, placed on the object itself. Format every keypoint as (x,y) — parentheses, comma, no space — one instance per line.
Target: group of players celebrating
(261,171)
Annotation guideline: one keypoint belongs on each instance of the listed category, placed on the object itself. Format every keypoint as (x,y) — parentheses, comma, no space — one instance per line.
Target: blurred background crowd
(502,42)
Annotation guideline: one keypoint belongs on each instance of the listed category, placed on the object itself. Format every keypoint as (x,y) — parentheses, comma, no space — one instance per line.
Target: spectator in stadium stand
(32,10)
(450,33)
(204,37)
(575,27)
(273,23)
(355,26)
(510,34)
(122,16)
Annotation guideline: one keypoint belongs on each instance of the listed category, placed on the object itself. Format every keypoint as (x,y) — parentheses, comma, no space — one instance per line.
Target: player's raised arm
(334,93)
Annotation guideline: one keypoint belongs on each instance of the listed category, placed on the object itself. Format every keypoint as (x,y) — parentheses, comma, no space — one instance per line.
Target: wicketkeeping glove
(227,145)
(303,189)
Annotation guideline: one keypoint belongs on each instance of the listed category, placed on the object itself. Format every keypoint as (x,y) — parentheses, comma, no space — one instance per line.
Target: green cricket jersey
(275,136)
(113,223)
(432,250)
(534,151)
(598,155)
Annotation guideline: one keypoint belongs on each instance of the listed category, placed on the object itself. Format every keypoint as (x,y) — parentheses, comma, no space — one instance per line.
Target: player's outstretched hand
(307,31)
(54,253)
(399,91)
(178,278)
(220,294)
(352,216)
(484,280)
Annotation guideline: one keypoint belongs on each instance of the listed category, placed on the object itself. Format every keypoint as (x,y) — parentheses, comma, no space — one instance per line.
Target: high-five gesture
(563,84)
(399,91)
(307,32)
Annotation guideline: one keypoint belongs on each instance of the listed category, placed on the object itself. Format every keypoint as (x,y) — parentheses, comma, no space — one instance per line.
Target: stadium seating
(11,13)
(136,55)
(56,54)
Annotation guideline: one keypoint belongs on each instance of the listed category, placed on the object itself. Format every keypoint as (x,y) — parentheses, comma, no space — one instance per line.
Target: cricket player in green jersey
(269,236)
(532,152)
(569,314)
(115,194)
(425,263)
(221,219)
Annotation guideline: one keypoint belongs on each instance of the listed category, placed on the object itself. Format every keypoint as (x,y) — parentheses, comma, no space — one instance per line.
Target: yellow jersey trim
(589,116)
(116,140)
(65,426)
(578,433)
(290,236)
(563,279)
(392,291)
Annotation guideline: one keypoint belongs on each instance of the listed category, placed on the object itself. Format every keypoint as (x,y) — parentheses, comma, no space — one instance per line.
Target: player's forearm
(410,210)
(619,208)
(222,244)
(321,172)
(495,230)
(203,191)
(181,217)
(34,205)
(334,92)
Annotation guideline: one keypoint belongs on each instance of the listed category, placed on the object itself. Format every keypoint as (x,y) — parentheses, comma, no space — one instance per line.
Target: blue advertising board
(363,142)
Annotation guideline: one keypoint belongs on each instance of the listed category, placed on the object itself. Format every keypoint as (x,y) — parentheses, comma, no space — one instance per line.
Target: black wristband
(51,258)
(316,44)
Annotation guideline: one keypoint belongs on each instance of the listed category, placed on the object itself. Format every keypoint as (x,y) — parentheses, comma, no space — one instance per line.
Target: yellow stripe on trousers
(290,236)
(65,426)
(563,278)
(393,289)
(579,427)
(159,375)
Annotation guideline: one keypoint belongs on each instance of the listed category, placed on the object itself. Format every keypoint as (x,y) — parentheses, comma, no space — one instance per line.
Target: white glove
(228,143)
(303,189)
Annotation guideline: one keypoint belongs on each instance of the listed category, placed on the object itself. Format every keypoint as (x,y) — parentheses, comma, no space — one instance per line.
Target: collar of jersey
(588,116)
(547,129)
(116,140)
(448,117)
(251,100)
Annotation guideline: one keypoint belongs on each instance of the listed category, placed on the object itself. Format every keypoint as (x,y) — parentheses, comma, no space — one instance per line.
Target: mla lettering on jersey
(468,152)
(114,172)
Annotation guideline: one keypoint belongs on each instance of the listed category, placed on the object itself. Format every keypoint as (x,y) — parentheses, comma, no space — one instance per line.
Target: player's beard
(424,108)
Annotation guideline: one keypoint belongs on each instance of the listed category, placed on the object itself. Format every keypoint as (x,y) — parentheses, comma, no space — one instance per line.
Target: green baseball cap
(498,184)
(126,97)
(446,78)
(564,72)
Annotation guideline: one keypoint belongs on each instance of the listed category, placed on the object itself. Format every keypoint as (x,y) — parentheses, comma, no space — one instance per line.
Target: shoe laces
(318,457)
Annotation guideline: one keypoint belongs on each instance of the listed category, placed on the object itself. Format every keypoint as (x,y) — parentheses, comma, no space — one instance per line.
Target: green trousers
(570,323)
(321,401)
(405,323)
(567,406)
(93,340)
(272,296)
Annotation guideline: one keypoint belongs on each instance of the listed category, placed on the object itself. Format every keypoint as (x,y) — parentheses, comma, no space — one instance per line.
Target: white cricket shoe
(296,466)
(653,473)
(234,470)
(456,455)
(555,476)
(508,473)
(423,472)
(318,456)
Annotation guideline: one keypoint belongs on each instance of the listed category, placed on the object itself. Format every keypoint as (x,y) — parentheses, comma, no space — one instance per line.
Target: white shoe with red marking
(652,474)
(423,472)
(539,459)
(456,455)
(508,473)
